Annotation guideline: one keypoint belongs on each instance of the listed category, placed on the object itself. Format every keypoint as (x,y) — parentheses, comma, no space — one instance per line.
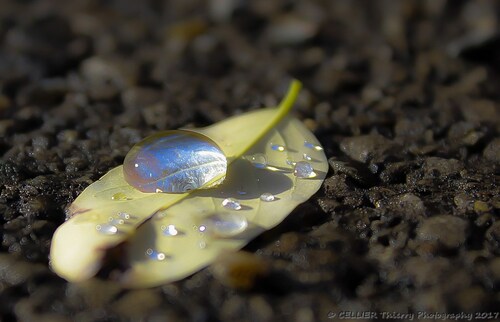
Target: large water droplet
(106,229)
(175,162)
(278,147)
(303,169)
(224,225)
(231,204)
(267,197)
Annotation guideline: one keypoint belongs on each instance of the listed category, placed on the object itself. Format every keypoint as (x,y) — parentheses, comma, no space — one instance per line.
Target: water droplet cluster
(114,224)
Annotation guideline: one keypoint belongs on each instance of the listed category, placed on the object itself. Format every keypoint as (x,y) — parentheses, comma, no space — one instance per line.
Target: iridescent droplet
(231,204)
(106,229)
(307,157)
(267,197)
(174,162)
(303,169)
(278,147)
(224,224)
(170,230)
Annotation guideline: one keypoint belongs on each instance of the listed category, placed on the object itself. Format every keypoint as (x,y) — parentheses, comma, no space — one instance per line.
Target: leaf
(170,245)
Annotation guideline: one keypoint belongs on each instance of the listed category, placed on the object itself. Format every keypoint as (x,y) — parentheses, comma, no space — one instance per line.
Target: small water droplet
(202,245)
(202,229)
(267,197)
(170,230)
(278,147)
(231,204)
(258,160)
(306,157)
(116,221)
(290,162)
(308,145)
(119,196)
(303,170)
(224,225)
(124,215)
(152,254)
(312,146)
(107,229)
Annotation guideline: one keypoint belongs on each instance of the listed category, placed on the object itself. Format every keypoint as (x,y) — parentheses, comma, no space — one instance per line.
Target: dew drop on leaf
(231,204)
(224,224)
(312,146)
(174,162)
(170,230)
(107,229)
(258,160)
(267,197)
(278,147)
(119,196)
(303,169)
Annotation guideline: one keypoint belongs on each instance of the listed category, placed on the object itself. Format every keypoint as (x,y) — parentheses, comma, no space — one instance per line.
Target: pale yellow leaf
(110,211)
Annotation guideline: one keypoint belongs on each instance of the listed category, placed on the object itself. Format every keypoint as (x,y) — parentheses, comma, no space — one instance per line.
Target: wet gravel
(403,95)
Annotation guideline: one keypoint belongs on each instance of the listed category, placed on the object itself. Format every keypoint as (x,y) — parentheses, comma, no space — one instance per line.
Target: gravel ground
(404,96)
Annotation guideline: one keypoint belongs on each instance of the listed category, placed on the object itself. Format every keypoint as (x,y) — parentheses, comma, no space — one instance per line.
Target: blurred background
(404,96)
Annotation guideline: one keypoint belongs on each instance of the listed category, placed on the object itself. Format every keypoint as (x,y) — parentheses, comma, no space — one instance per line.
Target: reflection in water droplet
(308,145)
(174,162)
(267,197)
(170,230)
(224,225)
(278,147)
(106,229)
(306,157)
(152,254)
(115,221)
(303,170)
(258,160)
(124,215)
(241,192)
(119,196)
(231,204)
(312,146)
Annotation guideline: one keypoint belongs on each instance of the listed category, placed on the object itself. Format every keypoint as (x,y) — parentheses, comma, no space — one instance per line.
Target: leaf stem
(287,102)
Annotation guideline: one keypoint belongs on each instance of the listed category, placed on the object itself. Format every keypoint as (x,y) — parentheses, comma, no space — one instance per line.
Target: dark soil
(404,96)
